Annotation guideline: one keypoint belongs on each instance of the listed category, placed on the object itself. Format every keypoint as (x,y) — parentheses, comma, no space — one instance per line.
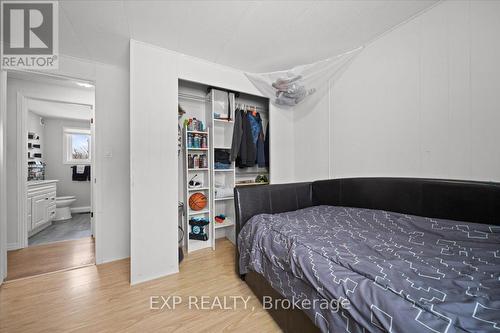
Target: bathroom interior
(50,225)
(59,141)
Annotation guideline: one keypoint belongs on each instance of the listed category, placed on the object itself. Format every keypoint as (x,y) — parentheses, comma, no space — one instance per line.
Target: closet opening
(223,142)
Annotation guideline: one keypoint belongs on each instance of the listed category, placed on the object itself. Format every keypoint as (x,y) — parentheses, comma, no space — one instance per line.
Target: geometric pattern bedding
(400,273)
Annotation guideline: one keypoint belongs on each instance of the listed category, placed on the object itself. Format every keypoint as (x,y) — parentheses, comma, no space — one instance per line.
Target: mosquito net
(305,84)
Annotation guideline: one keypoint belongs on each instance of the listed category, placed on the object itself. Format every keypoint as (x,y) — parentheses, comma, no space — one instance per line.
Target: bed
(373,254)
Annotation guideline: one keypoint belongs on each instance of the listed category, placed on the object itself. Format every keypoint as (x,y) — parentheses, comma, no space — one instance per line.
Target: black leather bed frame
(467,201)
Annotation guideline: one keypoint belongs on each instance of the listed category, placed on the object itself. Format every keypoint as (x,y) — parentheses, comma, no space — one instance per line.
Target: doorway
(51,152)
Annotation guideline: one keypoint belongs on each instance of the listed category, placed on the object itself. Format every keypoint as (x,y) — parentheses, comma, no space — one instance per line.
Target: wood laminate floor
(100,299)
(46,258)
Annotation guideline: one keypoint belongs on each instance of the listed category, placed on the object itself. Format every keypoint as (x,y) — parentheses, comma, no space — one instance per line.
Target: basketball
(197,201)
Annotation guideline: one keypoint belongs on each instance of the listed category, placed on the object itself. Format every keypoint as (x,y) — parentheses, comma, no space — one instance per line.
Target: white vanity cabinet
(41,205)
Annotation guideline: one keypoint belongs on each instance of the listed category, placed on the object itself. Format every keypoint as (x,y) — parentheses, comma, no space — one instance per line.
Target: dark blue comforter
(399,273)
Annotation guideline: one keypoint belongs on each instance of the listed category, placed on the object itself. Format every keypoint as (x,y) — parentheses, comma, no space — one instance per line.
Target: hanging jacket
(258,137)
(237,134)
(248,150)
(266,146)
(248,144)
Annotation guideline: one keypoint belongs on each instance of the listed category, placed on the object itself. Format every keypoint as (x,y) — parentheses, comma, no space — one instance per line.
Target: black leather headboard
(467,201)
(271,199)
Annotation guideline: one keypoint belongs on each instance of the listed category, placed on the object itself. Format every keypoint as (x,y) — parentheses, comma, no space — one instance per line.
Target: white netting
(302,83)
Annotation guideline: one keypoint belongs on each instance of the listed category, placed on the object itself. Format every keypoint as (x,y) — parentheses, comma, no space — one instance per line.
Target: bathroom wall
(56,169)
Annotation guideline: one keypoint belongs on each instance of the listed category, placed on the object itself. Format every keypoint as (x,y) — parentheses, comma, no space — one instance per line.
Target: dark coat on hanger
(248,151)
(258,137)
(266,147)
(243,148)
(237,134)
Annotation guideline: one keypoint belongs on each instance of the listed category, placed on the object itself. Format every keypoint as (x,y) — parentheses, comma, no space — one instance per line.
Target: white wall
(154,170)
(112,133)
(56,168)
(113,174)
(153,163)
(312,141)
(421,101)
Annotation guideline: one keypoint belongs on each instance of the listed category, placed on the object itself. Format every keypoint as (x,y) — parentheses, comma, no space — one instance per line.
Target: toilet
(63,211)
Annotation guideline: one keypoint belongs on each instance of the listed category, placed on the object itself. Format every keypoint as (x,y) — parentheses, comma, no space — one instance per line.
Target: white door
(39,210)
(92,173)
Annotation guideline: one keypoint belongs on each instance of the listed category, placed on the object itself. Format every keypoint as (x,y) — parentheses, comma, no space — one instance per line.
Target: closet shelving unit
(221,139)
(202,102)
(204,178)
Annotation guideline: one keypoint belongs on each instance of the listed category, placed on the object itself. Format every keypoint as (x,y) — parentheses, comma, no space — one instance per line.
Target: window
(77,143)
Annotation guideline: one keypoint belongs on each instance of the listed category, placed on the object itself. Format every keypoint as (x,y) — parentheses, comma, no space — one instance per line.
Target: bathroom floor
(74,228)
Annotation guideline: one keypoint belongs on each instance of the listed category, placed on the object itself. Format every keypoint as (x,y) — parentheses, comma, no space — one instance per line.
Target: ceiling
(254,36)
(53,108)
(49,109)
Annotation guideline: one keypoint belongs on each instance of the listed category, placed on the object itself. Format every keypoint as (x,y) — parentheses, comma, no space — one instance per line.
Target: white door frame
(22,171)
(3,176)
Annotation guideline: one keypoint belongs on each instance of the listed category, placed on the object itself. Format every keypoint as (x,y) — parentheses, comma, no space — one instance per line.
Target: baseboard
(13,246)
(84,209)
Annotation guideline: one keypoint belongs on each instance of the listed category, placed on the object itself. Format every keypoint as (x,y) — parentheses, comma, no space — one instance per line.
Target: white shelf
(221,147)
(223,170)
(198,169)
(219,121)
(198,189)
(191,148)
(222,199)
(226,223)
(197,132)
(251,184)
(198,212)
